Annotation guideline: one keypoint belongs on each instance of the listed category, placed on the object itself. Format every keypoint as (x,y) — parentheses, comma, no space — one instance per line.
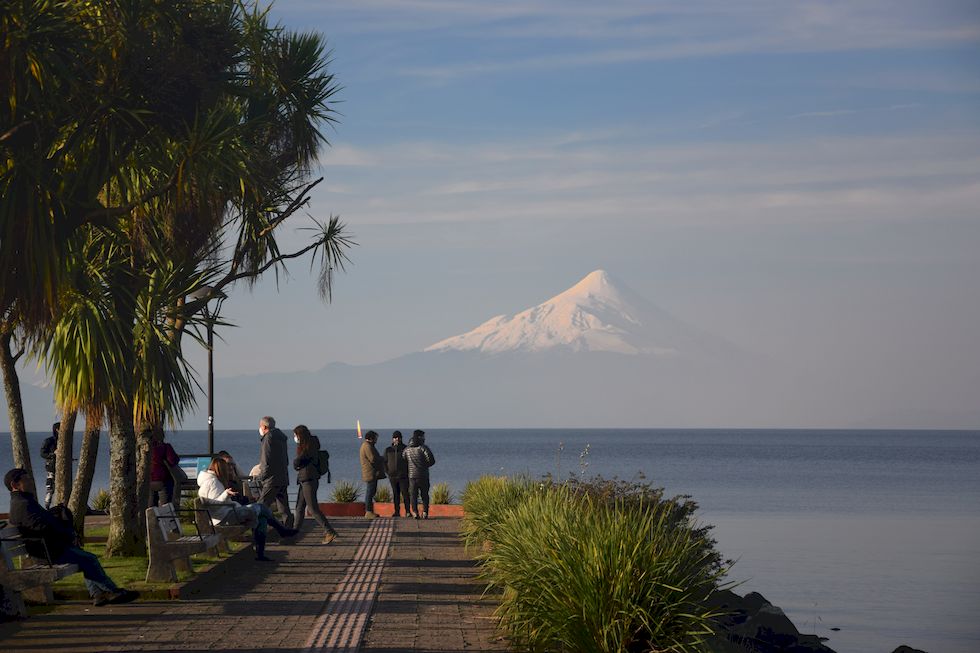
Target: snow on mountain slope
(596,314)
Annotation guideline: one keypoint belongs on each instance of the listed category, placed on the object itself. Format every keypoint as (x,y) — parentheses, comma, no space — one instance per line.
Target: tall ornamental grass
(383,495)
(442,494)
(582,571)
(345,492)
(486,500)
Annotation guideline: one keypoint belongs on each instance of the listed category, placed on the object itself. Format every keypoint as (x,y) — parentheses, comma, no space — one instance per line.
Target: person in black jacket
(397,468)
(49,452)
(308,477)
(274,468)
(49,538)
(420,459)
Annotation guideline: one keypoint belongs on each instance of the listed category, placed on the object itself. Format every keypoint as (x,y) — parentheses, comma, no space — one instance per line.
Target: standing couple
(407,470)
(274,474)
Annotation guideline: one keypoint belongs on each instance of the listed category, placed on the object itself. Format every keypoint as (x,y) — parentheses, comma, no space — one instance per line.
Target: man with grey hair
(274,469)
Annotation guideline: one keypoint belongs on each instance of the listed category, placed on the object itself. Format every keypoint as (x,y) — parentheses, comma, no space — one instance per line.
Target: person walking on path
(420,459)
(223,506)
(163,487)
(372,470)
(274,468)
(49,538)
(397,468)
(306,464)
(49,452)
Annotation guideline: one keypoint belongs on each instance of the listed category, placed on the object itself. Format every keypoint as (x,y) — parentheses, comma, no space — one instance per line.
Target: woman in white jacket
(223,509)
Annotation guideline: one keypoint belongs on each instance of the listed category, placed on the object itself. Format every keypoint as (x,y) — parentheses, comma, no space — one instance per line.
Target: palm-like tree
(147,140)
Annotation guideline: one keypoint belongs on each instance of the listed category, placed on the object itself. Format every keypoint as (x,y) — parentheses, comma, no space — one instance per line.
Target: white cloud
(588,33)
(345,155)
(843,178)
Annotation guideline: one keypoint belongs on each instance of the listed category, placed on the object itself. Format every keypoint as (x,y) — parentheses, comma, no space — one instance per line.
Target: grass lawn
(130,572)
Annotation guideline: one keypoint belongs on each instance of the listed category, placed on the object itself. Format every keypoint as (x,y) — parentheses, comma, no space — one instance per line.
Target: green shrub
(186,514)
(383,495)
(585,569)
(101,501)
(345,492)
(485,501)
(442,493)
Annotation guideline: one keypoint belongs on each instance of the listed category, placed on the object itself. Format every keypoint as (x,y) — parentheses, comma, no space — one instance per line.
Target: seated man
(39,528)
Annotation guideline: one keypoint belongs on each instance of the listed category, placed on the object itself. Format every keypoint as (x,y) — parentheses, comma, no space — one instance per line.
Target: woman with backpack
(308,473)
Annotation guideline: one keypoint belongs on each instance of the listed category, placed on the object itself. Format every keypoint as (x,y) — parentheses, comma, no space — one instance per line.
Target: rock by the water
(907,649)
(751,623)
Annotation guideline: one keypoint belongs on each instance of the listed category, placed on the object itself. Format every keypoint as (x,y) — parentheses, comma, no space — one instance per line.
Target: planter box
(355,509)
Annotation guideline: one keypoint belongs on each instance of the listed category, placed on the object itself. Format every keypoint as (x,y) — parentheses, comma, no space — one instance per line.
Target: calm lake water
(876,533)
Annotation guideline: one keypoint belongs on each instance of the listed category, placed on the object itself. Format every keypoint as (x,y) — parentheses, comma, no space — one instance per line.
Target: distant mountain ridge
(599,313)
(596,355)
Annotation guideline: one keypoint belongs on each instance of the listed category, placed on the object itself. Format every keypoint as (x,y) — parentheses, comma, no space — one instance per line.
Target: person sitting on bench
(46,535)
(220,501)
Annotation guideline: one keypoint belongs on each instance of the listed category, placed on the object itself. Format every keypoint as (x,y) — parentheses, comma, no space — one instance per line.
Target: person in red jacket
(162,486)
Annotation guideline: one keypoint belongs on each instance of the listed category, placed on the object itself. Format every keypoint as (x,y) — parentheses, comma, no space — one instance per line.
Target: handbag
(177,472)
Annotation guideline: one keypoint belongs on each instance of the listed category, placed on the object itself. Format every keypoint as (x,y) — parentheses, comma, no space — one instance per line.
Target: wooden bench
(31,577)
(232,530)
(168,547)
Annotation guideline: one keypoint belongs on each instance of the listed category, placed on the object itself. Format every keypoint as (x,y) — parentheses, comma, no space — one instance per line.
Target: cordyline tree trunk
(143,472)
(124,520)
(82,487)
(15,404)
(63,459)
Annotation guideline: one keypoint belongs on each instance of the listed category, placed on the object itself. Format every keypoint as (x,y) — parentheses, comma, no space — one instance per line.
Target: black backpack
(322,463)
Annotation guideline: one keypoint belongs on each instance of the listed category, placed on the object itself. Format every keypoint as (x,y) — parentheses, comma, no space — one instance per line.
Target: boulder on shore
(751,623)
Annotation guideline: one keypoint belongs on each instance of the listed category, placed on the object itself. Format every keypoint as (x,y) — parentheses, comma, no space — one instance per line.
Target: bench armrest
(44,543)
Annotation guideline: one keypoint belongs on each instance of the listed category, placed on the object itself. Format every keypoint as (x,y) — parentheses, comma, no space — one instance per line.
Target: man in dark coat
(397,468)
(274,469)
(51,539)
(49,452)
(420,459)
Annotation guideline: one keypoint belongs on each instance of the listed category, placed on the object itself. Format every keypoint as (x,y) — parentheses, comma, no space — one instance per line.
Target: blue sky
(800,177)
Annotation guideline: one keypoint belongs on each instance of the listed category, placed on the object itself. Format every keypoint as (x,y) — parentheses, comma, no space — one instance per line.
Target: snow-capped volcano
(596,314)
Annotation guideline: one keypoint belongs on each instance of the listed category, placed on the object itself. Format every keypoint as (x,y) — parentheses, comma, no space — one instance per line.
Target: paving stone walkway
(429,599)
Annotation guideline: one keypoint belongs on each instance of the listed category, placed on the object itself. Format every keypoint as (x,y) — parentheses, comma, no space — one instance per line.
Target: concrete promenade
(383,586)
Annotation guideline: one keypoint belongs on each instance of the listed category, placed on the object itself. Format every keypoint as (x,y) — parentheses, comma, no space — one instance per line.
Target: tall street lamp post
(209,318)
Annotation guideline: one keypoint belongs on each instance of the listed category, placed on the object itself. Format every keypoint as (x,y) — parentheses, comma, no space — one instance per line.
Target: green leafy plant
(601,566)
(345,492)
(442,493)
(100,501)
(486,500)
(383,495)
(187,510)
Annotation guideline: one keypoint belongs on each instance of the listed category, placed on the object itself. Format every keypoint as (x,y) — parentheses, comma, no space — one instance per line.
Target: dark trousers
(370,487)
(161,493)
(417,486)
(276,495)
(307,498)
(399,489)
(95,577)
